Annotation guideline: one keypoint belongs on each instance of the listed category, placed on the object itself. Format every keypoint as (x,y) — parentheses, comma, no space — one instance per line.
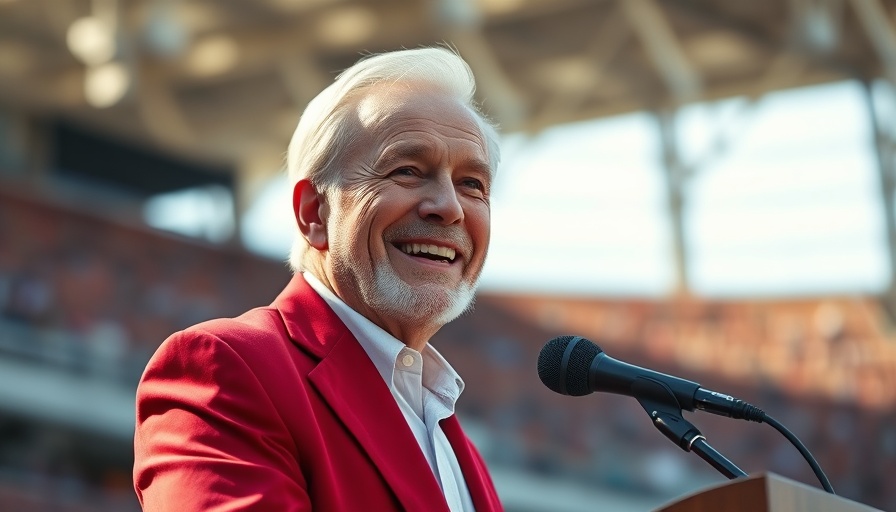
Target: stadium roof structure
(224,81)
(219,78)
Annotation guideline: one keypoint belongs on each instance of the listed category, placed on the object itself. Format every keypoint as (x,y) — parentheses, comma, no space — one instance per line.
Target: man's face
(408,228)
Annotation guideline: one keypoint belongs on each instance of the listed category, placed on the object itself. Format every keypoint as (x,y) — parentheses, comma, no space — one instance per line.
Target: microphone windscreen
(570,378)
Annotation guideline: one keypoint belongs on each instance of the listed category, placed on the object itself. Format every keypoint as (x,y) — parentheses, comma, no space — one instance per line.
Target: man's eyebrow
(396,153)
(480,167)
(402,151)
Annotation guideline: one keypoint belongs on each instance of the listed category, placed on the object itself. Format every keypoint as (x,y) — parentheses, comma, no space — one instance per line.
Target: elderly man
(331,398)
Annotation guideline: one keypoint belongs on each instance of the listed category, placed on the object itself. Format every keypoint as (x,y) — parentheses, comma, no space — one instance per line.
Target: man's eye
(473,183)
(404,171)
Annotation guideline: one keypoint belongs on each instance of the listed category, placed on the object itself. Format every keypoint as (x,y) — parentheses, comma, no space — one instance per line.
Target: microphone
(572,365)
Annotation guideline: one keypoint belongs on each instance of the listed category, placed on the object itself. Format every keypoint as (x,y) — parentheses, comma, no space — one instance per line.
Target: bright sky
(788,205)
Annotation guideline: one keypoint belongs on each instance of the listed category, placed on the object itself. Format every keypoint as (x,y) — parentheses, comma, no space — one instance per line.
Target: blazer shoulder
(256,341)
(261,329)
(263,321)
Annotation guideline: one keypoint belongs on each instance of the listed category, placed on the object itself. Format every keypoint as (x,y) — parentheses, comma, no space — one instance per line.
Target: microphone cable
(819,473)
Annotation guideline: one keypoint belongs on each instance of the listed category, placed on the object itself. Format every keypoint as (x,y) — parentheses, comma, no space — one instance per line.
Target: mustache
(453,234)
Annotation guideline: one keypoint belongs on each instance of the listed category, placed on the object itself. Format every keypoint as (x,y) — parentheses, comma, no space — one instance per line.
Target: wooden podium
(764,492)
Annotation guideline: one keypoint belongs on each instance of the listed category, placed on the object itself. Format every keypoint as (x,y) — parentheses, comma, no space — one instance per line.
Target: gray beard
(390,296)
(429,302)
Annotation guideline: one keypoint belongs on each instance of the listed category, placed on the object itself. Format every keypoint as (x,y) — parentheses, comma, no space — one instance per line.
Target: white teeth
(445,252)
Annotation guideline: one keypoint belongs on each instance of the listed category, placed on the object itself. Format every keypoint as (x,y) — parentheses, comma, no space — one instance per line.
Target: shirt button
(407,360)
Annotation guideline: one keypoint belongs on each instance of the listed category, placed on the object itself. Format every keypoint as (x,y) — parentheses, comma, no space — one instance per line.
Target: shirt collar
(383,349)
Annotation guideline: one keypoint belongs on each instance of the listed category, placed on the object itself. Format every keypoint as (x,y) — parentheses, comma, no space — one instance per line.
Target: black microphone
(572,365)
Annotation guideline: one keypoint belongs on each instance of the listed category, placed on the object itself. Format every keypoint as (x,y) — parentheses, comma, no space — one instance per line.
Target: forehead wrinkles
(418,145)
(423,138)
(422,128)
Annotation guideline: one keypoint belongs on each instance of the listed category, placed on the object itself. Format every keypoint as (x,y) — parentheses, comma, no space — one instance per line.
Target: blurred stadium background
(141,143)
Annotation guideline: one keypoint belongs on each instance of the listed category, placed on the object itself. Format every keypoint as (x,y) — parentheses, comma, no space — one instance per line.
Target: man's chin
(423,302)
(446,305)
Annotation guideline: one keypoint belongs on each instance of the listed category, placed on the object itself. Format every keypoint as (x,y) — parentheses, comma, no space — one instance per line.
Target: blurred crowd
(103,294)
(95,296)
(48,468)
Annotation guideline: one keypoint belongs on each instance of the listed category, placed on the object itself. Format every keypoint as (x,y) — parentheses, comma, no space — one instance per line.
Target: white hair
(324,132)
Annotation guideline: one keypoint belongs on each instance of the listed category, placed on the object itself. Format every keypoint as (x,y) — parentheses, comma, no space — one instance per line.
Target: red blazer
(280,409)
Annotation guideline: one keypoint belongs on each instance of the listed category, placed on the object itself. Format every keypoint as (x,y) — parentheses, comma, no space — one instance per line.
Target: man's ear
(310,208)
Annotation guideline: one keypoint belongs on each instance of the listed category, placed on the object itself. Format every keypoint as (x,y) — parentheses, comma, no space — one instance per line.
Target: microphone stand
(665,412)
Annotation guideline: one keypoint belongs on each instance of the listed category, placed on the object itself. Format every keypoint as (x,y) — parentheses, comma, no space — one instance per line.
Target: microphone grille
(549,360)
(574,380)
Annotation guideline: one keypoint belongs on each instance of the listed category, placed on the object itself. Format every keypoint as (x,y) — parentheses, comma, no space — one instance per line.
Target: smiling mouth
(428,251)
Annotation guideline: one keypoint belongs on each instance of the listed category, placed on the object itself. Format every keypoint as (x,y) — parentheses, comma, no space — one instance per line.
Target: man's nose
(441,203)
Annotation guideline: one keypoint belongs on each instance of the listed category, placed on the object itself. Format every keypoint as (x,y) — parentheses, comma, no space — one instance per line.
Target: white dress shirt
(425,388)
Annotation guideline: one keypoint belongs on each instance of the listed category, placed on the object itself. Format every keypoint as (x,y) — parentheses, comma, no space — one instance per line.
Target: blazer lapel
(350,384)
(476,475)
(348,381)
